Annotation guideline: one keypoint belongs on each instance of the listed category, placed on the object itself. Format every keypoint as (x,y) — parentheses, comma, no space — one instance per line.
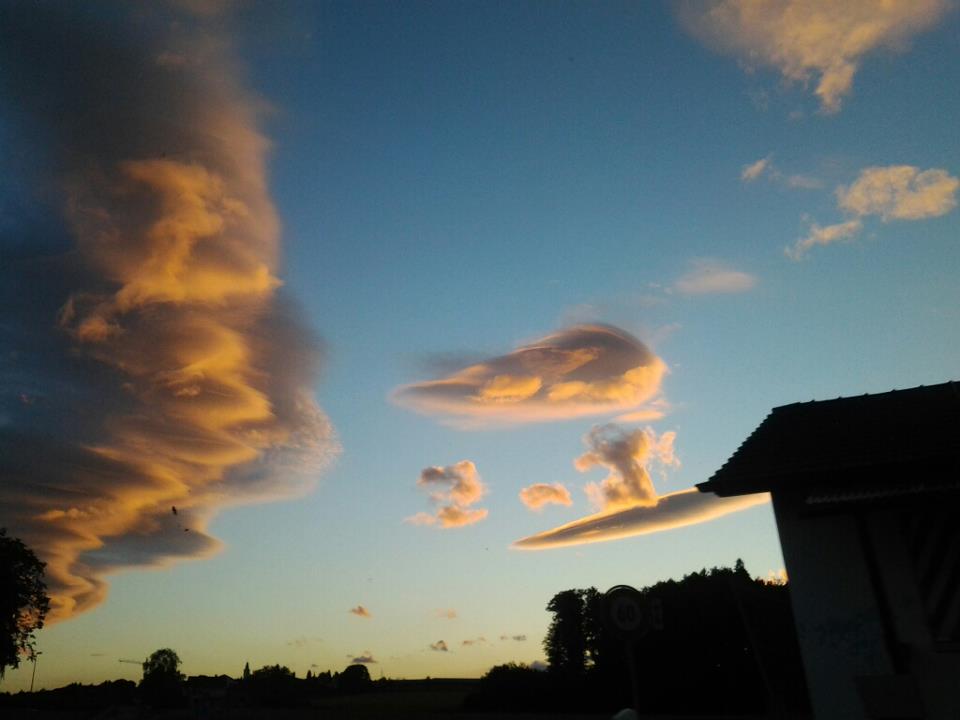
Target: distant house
(866,492)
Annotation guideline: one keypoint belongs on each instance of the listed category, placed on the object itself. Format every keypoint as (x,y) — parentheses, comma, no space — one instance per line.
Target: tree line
(163,686)
(727,645)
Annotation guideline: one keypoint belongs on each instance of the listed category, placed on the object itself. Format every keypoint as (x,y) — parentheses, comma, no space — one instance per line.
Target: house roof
(888,443)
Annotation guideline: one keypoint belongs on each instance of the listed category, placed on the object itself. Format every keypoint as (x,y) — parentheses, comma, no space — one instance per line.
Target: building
(866,493)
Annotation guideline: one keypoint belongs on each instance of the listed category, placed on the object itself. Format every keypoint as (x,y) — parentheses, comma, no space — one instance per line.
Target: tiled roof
(892,438)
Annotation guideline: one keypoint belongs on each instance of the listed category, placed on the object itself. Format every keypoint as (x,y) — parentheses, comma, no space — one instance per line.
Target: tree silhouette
(23,600)
(162,683)
(354,678)
(565,643)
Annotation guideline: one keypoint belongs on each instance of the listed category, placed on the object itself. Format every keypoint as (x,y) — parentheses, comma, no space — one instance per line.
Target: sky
(339,332)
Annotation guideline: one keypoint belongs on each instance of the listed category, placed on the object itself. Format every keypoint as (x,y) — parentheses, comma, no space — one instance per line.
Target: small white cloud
(754,170)
(900,192)
(707,276)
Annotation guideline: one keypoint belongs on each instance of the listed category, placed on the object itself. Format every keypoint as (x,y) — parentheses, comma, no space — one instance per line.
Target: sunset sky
(317,319)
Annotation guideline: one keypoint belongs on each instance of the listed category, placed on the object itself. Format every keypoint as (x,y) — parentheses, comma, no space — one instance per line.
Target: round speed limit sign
(625,611)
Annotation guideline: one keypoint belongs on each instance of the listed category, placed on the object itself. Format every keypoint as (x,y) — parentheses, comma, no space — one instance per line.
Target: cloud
(627,501)
(475,641)
(900,192)
(580,371)
(454,488)
(893,192)
(826,235)
(764,167)
(446,614)
(439,646)
(707,277)
(754,170)
(520,638)
(361,611)
(365,659)
(539,494)
(626,454)
(675,510)
(164,366)
(806,40)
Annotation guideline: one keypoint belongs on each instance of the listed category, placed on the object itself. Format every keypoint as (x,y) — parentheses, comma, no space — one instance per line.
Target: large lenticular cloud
(674,510)
(150,374)
(628,503)
(576,372)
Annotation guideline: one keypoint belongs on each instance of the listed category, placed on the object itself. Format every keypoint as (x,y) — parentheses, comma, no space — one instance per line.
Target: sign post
(629,616)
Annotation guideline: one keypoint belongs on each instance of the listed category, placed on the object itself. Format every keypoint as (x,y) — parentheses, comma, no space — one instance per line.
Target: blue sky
(457,180)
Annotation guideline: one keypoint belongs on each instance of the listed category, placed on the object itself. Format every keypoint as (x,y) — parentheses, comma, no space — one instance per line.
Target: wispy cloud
(755,169)
(519,638)
(826,235)
(539,494)
(366,658)
(360,611)
(708,276)
(581,371)
(675,510)
(446,614)
(806,40)
(454,489)
(474,641)
(892,192)
(765,168)
(162,327)
(439,646)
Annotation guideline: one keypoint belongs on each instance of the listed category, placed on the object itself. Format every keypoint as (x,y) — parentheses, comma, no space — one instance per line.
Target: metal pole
(33,675)
(634,680)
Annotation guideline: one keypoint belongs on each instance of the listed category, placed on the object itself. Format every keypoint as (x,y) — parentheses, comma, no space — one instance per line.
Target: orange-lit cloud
(900,192)
(361,611)
(539,494)
(627,454)
(171,377)
(675,510)
(446,613)
(806,40)
(893,192)
(627,501)
(710,277)
(439,646)
(454,489)
(581,371)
